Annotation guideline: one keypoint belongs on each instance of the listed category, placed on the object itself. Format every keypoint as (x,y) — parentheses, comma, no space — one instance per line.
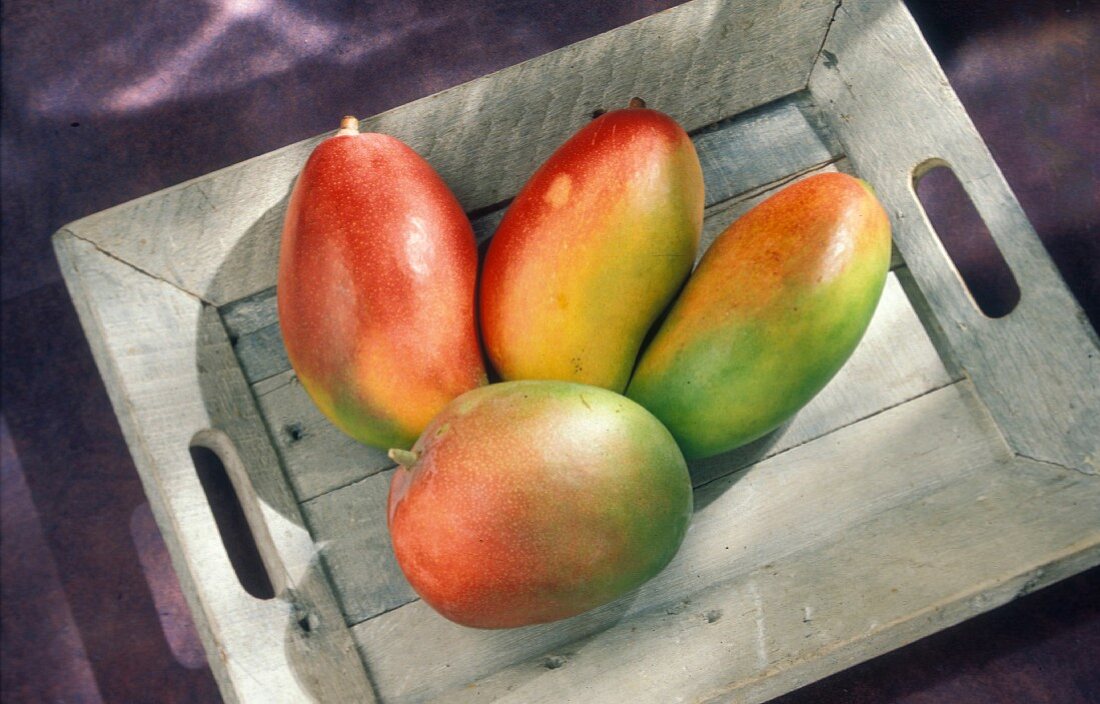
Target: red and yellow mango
(376,288)
(775,307)
(592,250)
(530,501)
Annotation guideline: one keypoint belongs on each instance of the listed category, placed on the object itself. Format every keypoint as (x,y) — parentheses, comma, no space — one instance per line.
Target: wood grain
(350,525)
(1038,368)
(174,382)
(906,572)
(318,456)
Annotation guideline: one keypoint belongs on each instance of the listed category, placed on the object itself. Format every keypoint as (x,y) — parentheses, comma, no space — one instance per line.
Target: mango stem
(405,458)
(349,125)
(636,102)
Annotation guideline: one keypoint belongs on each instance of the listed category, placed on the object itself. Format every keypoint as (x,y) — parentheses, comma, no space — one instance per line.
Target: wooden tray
(950,467)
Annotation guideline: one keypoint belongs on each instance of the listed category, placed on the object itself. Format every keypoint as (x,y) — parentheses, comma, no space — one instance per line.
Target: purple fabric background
(107,101)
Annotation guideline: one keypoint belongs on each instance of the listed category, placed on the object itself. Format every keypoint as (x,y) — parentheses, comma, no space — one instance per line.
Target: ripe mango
(377,288)
(530,501)
(775,307)
(592,250)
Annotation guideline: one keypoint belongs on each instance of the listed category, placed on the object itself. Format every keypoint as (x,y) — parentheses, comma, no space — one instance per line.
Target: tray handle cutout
(236,536)
(893,110)
(989,280)
(238,517)
(1032,356)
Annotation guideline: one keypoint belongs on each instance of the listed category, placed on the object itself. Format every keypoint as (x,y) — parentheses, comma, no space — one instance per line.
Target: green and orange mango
(592,250)
(377,287)
(530,501)
(777,304)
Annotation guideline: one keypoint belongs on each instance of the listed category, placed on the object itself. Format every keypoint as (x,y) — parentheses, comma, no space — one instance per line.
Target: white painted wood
(173,380)
(1038,368)
(247,315)
(887,530)
(261,353)
(217,236)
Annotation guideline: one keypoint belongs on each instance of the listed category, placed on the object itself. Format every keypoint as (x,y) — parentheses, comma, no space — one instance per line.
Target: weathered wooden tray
(949,468)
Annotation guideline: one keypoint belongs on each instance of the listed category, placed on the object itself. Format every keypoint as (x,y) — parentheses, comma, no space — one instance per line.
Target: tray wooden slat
(912,570)
(318,456)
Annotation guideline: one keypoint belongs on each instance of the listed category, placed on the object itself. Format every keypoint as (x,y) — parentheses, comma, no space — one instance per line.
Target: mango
(377,288)
(774,309)
(530,501)
(592,249)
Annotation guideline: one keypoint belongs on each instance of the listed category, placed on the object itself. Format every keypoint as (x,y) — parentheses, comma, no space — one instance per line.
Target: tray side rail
(217,236)
(175,384)
(890,104)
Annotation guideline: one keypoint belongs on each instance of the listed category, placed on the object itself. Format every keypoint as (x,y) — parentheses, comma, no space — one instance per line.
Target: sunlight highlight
(227,37)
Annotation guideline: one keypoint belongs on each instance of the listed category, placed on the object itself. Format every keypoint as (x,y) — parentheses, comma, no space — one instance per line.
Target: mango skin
(774,309)
(592,250)
(377,289)
(532,501)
